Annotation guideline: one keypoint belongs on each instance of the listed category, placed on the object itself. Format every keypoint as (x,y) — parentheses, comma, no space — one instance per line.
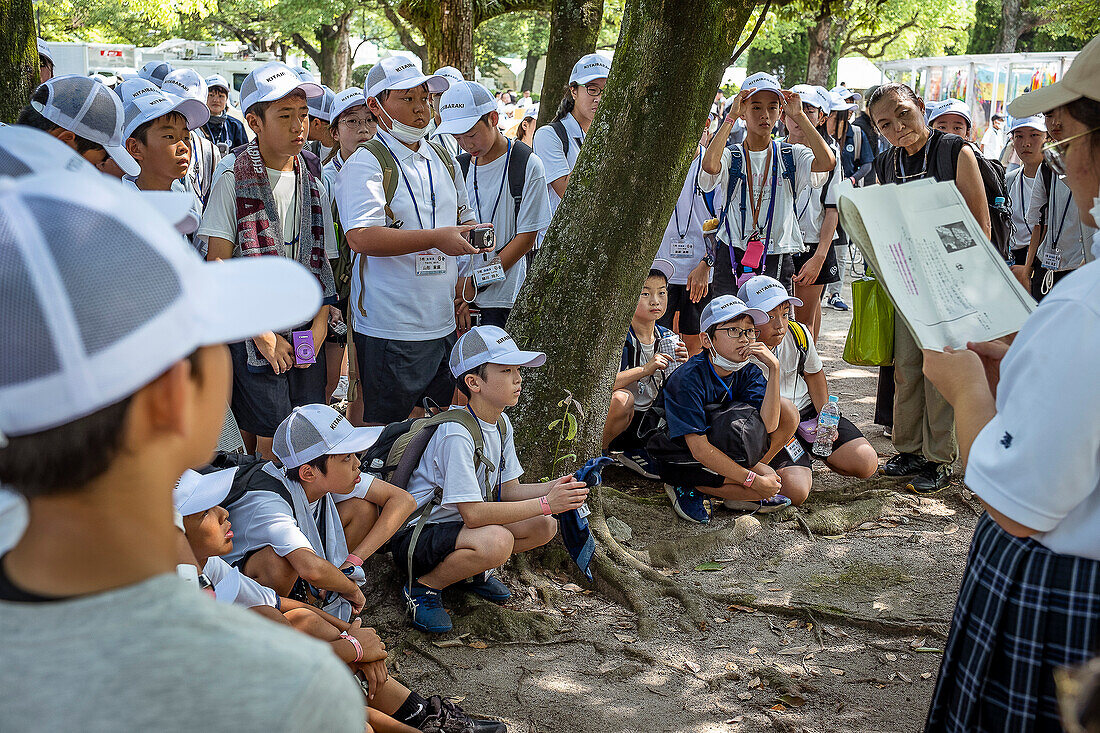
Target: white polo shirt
(1065,232)
(233,586)
(388,299)
(556,160)
(682,243)
(1019,201)
(1038,460)
(786,237)
(811,202)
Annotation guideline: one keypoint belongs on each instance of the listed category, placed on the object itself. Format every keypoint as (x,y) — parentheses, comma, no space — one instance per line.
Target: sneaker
(765,506)
(639,462)
(932,479)
(904,464)
(887,431)
(341,392)
(443,716)
(837,304)
(488,586)
(426,607)
(688,503)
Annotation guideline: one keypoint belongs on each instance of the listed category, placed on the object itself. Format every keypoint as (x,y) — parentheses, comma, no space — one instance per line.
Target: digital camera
(304,352)
(482,238)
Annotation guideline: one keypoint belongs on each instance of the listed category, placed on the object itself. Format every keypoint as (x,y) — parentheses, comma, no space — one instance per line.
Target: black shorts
(1038,275)
(263,400)
(436,541)
(397,375)
(1019,256)
(679,301)
(628,439)
(830,271)
(781,267)
(689,474)
(494,316)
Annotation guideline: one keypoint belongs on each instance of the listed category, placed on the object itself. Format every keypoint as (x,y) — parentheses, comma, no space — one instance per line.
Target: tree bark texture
(574,30)
(457,38)
(819,61)
(583,289)
(332,54)
(528,81)
(19,75)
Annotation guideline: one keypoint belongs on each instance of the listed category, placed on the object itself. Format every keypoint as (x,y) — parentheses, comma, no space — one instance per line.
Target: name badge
(488,274)
(794,449)
(681,249)
(583,510)
(1052,260)
(431,264)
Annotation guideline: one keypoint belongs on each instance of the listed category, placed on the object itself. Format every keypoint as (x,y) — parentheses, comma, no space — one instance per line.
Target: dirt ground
(839,631)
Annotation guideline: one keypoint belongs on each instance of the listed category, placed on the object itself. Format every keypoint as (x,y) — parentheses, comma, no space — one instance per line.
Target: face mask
(723,363)
(406,133)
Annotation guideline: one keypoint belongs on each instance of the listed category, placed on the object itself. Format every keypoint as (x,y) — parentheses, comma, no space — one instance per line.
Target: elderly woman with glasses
(1028,422)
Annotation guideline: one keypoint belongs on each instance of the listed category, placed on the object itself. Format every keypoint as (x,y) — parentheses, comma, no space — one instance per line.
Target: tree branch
(863,45)
(404,34)
(308,47)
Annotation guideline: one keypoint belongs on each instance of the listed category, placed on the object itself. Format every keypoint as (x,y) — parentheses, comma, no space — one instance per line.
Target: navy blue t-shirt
(694,385)
(848,162)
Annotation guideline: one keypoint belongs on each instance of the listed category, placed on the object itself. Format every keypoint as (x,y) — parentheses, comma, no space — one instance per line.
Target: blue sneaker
(837,304)
(767,506)
(426,606)
(488,586)
(688,503)
(638,461)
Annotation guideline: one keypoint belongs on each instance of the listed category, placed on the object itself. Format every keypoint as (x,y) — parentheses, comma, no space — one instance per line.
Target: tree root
(412,645)
(885,626)
(839,518)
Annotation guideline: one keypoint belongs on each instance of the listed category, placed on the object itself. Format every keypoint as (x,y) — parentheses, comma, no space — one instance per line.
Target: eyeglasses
(738,333)
(1055,153)
(593,90)
(355,123)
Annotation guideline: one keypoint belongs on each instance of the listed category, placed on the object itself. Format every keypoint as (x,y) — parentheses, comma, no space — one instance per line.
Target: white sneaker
(341,392)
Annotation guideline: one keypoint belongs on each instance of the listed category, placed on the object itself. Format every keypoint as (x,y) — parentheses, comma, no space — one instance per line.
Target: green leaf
(568,457)
(571,429)
(554,425)
(710,567)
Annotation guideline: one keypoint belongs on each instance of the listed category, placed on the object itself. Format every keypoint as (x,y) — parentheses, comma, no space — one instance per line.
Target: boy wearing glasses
(801,379)
(722,373)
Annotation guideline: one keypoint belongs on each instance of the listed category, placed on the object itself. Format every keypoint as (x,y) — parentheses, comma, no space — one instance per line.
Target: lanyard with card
(1052,260)
(486,275)
(794,449)
(491,271)
(679,247)
(430,264)
(755,248)
(426,263)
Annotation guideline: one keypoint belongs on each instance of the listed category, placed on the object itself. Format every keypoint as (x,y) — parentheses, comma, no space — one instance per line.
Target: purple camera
(304,353)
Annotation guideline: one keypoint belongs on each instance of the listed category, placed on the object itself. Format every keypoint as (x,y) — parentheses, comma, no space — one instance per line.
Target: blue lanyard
(477,194)
(500,469)
(727,387)
(405,178)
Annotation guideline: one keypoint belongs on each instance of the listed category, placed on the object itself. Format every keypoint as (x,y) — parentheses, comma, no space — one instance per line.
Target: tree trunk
(335,52)
(820,60)
(583,289)
(527,84)
(574,30)
(1012,24)
(19,75)
(457,36)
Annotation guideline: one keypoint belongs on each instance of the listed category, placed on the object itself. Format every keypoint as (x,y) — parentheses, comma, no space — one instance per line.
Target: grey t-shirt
(159,655)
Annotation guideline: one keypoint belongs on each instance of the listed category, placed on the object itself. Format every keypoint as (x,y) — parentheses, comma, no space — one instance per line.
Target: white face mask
(723,363)
(406,133)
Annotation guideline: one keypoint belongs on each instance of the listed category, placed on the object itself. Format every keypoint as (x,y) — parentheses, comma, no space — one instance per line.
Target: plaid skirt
(1023,611)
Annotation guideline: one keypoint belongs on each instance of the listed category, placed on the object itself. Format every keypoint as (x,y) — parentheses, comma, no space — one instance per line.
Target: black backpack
(517,170)
(736,429)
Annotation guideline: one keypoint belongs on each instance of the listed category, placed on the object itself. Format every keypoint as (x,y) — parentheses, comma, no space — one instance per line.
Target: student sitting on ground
(393,706)
(484,515)
(306,528)
(643,370)
(801,379)
(722,373)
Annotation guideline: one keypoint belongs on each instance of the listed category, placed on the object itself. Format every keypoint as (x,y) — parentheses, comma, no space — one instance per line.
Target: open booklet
(947,281)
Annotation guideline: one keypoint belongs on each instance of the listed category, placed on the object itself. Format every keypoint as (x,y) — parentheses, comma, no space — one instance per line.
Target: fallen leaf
(833,536)
(917,643)
(568,611)
(456,699)
(837,672)
(733,721)
(904,677)
(731,666)
(572,588)
(692,666)
(744,695)
(925,675)
(793,624)
(753,650)
(777,708)
(795,650)
(719,620)
(754,682)
(479,645)
(709,567)
(625,639)
(795,701)
(891,657)
(835,633)
(449,643)
(928,649)
(951,528)
(742,609)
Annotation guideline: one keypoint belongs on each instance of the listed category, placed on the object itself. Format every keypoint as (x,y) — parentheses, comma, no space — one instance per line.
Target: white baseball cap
(155,71)
(196,492)
(217,80)
(44,50)
(143,101)
(811,95)
(304,74)
(186,83)
(837,103)
(321,106)
(401,71)
(26,151)
(664,267)
(451,74)
(345,100)
(590,67)
(274,80)
(490,345)
(951,107)
(1035,122)
(726,308)
(1082,79)
(89,109)
(845,94)
(311,431)
(462,106)
(764,293)
(89,332)
(762,81)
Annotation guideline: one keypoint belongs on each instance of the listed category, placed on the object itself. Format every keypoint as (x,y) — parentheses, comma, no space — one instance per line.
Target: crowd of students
(363,250)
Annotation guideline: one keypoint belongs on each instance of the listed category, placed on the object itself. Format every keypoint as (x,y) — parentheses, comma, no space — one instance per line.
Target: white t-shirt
(448,462)
(389,300)
(1038,460)
(233,586)
(524,102)
(557,161)
(786,237)
(220,217)
(993,142)
(792,386)
(811,201)
(330,170)
(1072,239)
(682,243)
(492,201)
(1019,200)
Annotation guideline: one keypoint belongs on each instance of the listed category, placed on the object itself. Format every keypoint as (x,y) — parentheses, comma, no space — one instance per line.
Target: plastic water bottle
(667,346)
(827,423)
